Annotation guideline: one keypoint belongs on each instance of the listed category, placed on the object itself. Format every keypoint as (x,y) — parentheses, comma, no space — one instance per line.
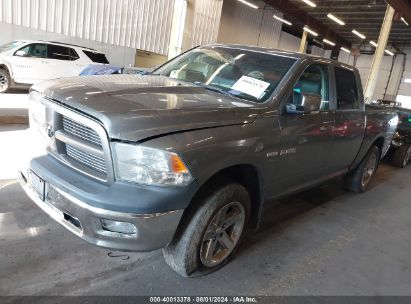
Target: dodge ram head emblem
(50,132)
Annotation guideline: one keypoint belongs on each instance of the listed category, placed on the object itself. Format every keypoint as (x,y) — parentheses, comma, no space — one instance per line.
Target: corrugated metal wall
(270,29)
(245,25)
(206,22)
(140,24)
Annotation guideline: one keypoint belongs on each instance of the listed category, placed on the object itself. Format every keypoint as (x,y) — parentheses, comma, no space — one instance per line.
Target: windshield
(9,46)
(241,73)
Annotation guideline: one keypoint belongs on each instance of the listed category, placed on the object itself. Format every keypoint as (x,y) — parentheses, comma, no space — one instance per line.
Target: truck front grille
(89,160)
(81,131)
(78,141)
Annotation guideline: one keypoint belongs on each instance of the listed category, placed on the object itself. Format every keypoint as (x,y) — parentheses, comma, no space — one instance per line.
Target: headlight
(36,108)
(149,166)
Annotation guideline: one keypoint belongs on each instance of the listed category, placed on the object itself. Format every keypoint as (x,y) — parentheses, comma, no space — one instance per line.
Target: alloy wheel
(4,83)
(222,234)
(369,170)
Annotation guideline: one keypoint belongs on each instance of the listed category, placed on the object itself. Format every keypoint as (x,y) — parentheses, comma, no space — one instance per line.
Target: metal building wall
(206,22)
(245,25)
(138,24)
(270,29)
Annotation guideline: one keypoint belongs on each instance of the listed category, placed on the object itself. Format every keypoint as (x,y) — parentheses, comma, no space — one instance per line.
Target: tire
(5,81)
(402,156)
(202,230)
(358,180)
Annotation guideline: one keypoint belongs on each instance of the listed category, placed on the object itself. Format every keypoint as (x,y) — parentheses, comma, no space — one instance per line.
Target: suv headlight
(36,108)
(149,166)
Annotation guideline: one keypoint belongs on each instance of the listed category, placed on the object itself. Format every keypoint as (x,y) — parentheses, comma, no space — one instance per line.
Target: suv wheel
(358,180)
(4,81)
(402,156)
(212,232)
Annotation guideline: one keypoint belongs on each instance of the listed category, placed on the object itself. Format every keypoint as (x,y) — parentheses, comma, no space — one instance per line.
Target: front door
(28,63)
(306,139)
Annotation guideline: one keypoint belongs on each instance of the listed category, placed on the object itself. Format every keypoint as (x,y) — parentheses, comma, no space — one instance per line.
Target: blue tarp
(97,69)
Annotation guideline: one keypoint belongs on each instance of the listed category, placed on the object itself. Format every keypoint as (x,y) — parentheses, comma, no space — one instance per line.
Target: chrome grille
(81,131)
(86,159)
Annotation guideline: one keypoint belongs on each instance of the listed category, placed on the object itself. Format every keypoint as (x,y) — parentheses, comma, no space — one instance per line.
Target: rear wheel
(358,180)
(5,81)
(212,232)
(402,156)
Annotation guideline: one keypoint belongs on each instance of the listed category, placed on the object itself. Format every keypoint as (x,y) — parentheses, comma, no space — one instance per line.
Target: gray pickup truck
(185,158)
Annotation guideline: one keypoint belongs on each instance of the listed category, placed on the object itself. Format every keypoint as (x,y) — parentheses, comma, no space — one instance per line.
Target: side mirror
(311,103)
(294,109)
(20,53)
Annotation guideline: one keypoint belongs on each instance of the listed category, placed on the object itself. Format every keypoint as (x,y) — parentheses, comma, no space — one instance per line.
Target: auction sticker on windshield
(251,86)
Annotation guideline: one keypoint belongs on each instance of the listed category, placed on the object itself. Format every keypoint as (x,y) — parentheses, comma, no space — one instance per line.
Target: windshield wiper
(214,89)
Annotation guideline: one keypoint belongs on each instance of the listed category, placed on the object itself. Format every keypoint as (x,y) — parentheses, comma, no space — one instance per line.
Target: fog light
(119,227)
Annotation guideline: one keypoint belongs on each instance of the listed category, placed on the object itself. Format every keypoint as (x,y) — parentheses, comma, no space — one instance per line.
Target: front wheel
(402,156)
(359,179)
(5,81)
(211,233)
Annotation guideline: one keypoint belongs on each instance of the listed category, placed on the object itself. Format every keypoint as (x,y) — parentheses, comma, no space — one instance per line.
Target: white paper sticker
(250,86)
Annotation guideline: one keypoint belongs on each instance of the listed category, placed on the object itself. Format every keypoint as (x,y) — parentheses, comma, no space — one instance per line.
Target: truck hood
(133,107)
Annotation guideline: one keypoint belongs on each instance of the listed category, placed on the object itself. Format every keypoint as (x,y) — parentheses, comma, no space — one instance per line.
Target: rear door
(306,139)
(62,61)
(349,117)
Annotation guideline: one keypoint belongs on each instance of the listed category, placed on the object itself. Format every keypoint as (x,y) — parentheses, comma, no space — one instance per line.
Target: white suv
(23,63)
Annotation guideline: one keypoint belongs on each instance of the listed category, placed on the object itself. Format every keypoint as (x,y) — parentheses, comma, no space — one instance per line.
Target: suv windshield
(246,74)
(9,46)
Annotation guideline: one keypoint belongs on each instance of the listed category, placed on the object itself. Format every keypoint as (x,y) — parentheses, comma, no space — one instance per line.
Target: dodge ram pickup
(185,158)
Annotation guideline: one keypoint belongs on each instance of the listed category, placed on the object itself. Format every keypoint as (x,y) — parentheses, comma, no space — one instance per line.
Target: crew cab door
(306,138)
(349,117)
(28,63)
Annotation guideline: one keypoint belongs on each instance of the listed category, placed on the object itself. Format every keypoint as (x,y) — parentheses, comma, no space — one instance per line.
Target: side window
(347,91)
(96,57)
(58,52)
(314,80)
(37,50)
(73,55)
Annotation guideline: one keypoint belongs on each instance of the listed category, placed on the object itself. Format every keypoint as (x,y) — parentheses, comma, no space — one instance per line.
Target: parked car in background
(137,70)
(94,69)
(186,157)
(24,62)
(400,152)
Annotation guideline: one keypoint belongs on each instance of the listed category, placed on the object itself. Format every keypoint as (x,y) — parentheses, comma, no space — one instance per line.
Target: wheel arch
(246,175)
(5,66)
(378,141)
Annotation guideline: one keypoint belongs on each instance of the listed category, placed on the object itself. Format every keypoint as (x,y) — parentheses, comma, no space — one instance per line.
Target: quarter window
(347,91)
